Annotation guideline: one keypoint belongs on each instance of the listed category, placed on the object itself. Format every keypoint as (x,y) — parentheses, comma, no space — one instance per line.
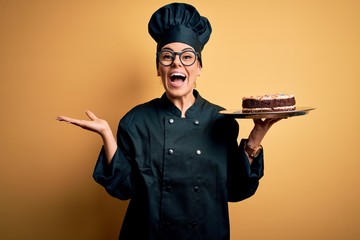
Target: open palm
(95,124)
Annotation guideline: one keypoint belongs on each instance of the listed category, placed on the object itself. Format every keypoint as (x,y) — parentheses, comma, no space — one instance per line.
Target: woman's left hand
(261,127)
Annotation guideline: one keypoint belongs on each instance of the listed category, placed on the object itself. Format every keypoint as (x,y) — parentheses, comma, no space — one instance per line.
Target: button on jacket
(179,173)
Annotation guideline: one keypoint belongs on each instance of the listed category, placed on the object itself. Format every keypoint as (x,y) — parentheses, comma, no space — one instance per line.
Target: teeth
(177,75)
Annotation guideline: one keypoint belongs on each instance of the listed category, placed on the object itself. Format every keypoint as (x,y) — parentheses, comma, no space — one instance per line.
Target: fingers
(266,123)
(91,115)
(73,121)
(257,120)
(65,119)
(94,124)
(77,122)
(272,120)
(269,122)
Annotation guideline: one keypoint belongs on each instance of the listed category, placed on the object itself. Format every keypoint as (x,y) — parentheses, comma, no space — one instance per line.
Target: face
(179,80)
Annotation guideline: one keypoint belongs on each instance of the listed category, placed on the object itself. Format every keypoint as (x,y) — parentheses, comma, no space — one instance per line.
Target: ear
(158,72)
(199,70)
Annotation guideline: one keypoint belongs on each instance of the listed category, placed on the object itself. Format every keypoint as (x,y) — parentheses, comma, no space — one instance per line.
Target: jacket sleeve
(116,177)
(243,178)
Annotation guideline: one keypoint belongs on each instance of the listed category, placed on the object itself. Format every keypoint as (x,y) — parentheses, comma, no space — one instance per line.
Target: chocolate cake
(269,103)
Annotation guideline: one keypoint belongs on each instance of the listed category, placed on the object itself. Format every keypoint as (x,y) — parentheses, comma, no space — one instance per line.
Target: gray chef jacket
(179,173)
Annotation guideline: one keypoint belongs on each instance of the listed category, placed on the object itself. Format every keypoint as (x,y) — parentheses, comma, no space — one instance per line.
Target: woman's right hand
(95,124)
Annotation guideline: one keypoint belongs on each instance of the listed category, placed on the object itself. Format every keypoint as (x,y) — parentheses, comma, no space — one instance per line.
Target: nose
(177,60)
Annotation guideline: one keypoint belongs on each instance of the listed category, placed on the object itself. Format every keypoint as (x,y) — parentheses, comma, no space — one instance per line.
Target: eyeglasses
(167,57)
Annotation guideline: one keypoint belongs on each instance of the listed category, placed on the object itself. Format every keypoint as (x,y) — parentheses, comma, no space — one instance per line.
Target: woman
(176,157)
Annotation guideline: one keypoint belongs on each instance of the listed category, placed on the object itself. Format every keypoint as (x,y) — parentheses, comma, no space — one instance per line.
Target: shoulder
(147,107)
(209,108)
(141,113)
(227,125)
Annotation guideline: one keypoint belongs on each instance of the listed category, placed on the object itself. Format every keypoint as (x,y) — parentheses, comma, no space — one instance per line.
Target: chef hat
(179,22)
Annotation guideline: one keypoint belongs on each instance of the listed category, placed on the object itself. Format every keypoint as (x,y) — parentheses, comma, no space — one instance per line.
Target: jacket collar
(195,108)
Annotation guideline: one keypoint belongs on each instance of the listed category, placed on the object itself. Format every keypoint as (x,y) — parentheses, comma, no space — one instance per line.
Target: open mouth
(177,77)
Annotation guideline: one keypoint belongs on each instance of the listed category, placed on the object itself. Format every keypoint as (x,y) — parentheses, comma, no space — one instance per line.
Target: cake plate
(280,114)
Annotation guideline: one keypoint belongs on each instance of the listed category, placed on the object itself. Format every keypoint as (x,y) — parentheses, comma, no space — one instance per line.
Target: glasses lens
(166,58)
(188,58)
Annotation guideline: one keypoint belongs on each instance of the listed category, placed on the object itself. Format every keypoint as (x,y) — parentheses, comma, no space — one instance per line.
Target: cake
(269,103)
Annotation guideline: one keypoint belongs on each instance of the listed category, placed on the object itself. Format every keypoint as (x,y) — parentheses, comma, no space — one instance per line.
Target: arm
(245,172)
(259,131)
(112,169)
(98,126)
(243,177)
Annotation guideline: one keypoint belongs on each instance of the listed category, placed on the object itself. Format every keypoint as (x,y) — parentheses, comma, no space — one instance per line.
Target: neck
(183,103)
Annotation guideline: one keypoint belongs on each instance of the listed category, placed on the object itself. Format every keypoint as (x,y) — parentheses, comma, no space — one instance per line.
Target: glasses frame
(174,56)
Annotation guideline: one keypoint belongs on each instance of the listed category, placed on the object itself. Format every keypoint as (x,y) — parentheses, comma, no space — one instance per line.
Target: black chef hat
(179,22)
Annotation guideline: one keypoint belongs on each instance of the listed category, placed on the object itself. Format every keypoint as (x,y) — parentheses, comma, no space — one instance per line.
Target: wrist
(251,149)
(253,142)
(106,132)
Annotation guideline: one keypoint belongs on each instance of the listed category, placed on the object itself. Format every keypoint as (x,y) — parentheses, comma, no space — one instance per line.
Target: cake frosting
(269,103)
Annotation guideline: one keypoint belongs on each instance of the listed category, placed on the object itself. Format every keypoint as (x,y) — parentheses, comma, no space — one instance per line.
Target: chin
(179,93)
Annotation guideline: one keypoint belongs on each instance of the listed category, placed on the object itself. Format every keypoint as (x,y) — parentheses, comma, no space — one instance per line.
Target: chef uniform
(179,173)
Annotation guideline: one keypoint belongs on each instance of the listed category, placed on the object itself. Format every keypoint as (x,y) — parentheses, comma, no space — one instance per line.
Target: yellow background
(63,57)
